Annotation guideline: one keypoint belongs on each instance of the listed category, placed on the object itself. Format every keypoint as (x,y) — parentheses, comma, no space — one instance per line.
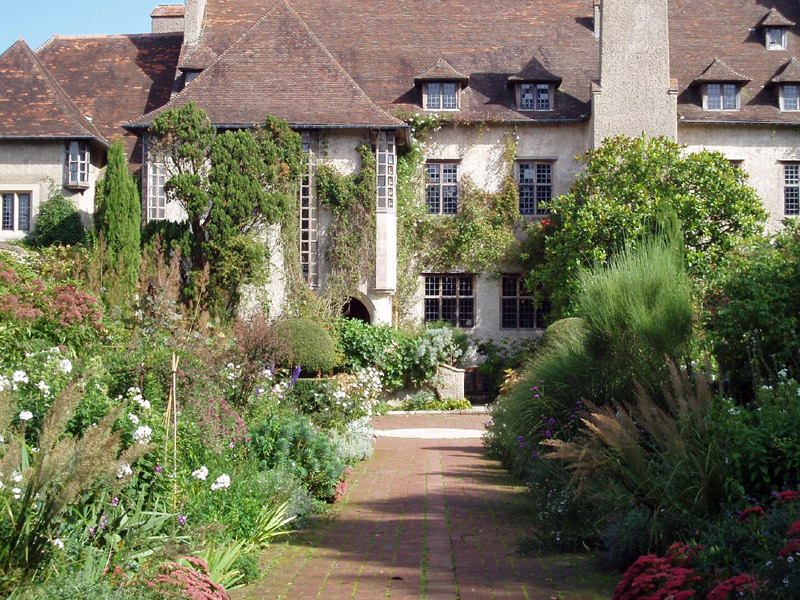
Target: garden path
(425,519)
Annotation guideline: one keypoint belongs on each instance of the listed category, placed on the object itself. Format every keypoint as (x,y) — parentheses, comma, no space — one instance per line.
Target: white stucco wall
(38,168)
(761,148)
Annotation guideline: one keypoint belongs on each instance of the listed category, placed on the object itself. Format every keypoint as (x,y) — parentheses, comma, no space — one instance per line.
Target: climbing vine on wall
(480,238)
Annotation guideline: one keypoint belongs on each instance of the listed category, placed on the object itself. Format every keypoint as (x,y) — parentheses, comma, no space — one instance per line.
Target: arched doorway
(355,309)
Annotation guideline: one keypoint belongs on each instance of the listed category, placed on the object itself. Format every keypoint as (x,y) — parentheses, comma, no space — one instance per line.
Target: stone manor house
(563,74)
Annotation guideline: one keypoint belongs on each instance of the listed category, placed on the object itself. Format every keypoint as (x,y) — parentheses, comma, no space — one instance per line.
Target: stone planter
(449,383)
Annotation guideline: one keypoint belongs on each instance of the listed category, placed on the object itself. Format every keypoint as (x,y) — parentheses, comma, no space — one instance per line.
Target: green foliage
(752,313)
(500,359)
(58,222)
(354,443)
(230,184)
(311,396)
(119,221)
(760,445)
(287,439)
(428,401)
(311,347)
(351,246)
(627,188)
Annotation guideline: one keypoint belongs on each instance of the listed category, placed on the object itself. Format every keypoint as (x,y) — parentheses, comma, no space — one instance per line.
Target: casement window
(517,307)
(16,211)
(535,96)
(450,298)
(722,96)
(441,189)
(776,38)
(309,212)
(387,175)
(791,189)
(790,96)
(77,165)
(535,185)
(441,95)
(156,194)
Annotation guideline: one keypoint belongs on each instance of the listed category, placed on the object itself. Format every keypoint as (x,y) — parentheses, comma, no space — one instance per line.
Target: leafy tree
(628,188)
(229,185)
(119,221)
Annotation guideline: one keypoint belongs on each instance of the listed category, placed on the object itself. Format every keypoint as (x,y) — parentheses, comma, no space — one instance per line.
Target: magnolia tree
(629,188)
(229,184)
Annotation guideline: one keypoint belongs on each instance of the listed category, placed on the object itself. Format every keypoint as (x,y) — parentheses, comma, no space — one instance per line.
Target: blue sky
(37,20)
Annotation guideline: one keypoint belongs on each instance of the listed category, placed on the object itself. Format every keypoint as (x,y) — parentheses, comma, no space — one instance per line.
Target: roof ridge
(175,99)
(721,64)
(119,36)
(45,44)
(68,107)
(7,50)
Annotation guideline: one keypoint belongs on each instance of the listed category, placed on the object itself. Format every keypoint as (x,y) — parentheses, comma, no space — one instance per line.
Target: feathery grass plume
(660,450)
(53,478)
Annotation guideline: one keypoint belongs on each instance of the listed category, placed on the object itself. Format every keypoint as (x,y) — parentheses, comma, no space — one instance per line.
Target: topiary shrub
(312,347)
(58,223)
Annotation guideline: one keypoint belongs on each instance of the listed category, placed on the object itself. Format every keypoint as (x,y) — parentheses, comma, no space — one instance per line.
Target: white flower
(142,434)
(790,559)
(222,482)
(124,470)
(58,544)
(133,418)
(25,415)
(17,477)
(44,388)
(65,365)
(17,493)
(19,377)
(4,383)
(2,441)
(201,473)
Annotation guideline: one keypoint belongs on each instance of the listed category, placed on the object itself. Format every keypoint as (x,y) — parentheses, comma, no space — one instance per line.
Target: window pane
(24,211)
(526,173)
(8,212)
(527,202)
(432,286)
(449,306)
(433,170)
(791,174)
(448,286)
(526,96)
(434,95)
(465,286)
(510,286)
(431,310)
(508,317)
(730,96)
(449,96)
(449,173)
(543,196)
(713,96)
(775,36)
(449,199)
(790,97)
(466,313)
(432,200)
(792,200)
(527,314)
(543,97)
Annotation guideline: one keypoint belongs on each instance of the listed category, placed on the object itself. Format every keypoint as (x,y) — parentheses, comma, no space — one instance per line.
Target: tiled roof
(384,45)
(790,73)
(700,30)
(279,67)
(33,104)
(114,79)
(195,57)
(441,70)
(168,10)
(775,19)
(535,71)
(718,71)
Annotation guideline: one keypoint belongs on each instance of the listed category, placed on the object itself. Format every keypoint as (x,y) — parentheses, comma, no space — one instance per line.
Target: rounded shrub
(312,348)
(58,222)
(573,328)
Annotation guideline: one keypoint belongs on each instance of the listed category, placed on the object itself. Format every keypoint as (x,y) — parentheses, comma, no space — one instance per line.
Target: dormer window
(722,96)
(535,96)
(776,38)
(441,95)
(441,86)
(77,165)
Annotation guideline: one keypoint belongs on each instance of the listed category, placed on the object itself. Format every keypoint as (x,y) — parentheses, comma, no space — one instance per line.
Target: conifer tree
(119,222)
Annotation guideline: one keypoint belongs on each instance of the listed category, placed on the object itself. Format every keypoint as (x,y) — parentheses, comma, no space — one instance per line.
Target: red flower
(739,583)
(788,496)
(794,530)
(749,512)
(653,578)
(791,548)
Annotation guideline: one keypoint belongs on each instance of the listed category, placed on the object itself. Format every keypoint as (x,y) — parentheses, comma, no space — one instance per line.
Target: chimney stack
(195,17)
(167,18)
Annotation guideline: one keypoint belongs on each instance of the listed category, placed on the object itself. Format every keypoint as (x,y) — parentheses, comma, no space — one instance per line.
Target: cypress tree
(119,222)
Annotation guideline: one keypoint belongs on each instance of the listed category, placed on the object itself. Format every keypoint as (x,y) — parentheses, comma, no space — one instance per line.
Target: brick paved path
(431,519)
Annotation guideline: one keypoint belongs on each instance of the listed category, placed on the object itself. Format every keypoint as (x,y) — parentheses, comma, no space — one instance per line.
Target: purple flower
(536,396)
(548,433)
(158,469)
(182,520)
(552,421)
(115,502)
